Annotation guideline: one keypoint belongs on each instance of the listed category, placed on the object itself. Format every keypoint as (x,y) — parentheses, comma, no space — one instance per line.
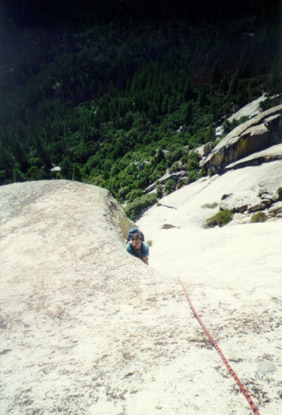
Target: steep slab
(233,277)
(86,329)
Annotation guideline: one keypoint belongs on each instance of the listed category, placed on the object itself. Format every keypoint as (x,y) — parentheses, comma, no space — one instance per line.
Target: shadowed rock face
(255,159)
(261,132)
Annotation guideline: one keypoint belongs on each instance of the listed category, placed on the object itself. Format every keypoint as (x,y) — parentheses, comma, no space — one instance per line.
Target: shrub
(193,161)
(35,173)
(229,126)
(219,219)
(123,191)
(159,191)
(179,185)
(258,217)
(170,186)
(175,155)
(18,176)
(279,191)
(192,176)
(175,167)
(210,205)
(135,193)
(269,103)
(139,205)
(76,173)
(159,156)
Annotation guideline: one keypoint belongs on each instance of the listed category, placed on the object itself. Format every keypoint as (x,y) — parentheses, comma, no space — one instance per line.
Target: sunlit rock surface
(233,275)
(88,329)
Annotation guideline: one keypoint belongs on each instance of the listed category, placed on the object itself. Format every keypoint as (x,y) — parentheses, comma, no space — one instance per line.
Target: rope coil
(231,371)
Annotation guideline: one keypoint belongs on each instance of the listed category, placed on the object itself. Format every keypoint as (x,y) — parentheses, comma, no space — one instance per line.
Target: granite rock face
(255,159)
(232,273)
(88,329)
(256,134)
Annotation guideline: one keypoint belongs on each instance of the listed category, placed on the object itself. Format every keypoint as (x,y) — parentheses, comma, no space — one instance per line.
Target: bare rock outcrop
(265,156)
(86,329)
(243,201)
(275,209)
(247,201)
(259,133)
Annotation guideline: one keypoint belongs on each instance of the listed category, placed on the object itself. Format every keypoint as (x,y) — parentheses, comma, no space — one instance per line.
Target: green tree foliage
(67,168)
(220,219)
(76,173)
(117,105)
(139,205)
(228,126)
(18,176)
(258,217)
(170,186)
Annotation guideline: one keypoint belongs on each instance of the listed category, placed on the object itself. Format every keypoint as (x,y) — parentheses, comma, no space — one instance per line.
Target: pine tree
(76,173)
(18,176)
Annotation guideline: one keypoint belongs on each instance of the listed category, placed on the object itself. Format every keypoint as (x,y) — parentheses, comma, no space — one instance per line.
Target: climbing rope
(231,371)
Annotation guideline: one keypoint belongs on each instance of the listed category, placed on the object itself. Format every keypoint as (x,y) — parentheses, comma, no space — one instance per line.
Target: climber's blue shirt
(140,253)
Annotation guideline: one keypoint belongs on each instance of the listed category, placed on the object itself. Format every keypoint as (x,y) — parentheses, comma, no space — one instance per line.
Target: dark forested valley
(118,93)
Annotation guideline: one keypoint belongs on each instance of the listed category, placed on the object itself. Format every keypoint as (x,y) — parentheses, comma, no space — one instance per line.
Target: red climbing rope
(231,371)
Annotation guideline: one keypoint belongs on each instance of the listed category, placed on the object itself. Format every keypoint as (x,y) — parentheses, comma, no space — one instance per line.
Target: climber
(136,245)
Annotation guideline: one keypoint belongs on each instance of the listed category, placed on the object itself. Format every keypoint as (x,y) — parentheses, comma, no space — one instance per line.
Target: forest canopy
(119,100)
